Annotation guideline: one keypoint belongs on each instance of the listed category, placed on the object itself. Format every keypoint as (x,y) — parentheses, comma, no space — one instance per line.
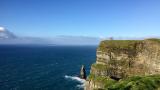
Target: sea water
(36,67)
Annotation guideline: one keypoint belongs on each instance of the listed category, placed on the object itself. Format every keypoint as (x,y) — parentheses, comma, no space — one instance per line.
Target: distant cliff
(126,65)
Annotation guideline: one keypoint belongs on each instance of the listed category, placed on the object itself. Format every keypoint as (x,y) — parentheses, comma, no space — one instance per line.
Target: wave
(75,78)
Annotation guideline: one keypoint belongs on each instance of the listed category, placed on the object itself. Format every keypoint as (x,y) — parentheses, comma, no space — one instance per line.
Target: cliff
(121,64)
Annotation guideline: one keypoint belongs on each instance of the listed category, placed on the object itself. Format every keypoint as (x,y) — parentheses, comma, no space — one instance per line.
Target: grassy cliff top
(154,40)
(115,45)
(124,44)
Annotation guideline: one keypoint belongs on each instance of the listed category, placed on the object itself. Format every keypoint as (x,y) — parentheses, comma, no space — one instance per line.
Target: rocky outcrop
(83,72)
(119,59)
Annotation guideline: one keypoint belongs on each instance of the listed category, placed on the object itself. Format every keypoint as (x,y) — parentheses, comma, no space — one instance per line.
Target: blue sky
(92,18)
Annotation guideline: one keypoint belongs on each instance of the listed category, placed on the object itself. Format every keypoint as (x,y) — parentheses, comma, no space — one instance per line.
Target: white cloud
(2,29)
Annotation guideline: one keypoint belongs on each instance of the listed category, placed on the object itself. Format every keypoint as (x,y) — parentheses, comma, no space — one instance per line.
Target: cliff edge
(126,65)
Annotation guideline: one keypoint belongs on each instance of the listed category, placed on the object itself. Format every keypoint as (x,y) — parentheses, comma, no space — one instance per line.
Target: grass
(99,66)
(151,82)
(118,46)
(130,47)
(104,81)
(122,44)
(154,39)
(137,83)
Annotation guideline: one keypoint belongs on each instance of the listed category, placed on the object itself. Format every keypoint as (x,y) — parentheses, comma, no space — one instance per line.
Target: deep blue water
(43,67)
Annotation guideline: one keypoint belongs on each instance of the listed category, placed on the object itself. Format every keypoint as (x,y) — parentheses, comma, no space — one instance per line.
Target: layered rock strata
(119,59)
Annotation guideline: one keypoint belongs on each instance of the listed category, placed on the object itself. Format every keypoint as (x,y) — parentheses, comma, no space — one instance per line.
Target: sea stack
(83,72)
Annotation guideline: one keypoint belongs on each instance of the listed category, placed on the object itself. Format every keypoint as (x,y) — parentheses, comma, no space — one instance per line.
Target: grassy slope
(137,83)
(151,82)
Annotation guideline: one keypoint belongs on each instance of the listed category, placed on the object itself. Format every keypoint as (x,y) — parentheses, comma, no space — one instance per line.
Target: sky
(90,18)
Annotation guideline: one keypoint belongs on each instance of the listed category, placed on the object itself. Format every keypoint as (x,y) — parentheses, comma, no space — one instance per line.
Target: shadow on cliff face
(115,78)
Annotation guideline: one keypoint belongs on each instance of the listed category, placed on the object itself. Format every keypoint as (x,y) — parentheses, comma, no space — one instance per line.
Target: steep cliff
(121,61)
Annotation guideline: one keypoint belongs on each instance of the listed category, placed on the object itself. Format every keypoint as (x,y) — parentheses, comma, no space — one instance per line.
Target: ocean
(35,67)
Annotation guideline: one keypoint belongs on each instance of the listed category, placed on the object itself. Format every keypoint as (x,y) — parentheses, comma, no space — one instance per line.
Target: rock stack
(83,72)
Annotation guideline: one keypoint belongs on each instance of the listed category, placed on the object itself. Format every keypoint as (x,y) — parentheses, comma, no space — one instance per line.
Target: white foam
(81,85)
(75,78)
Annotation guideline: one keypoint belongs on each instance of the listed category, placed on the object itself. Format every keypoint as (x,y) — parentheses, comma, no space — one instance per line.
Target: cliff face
(119,59)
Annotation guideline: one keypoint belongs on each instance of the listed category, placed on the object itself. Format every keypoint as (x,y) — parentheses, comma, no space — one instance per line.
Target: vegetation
(154,39)
(99,66)
(137,83)
(151,82)
(91,76)
(117,46)
(118,43)
(104,81)
(123,44)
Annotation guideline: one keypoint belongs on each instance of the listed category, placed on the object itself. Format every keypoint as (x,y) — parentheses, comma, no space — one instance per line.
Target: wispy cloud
(59,40)
(7,37)
(76,40)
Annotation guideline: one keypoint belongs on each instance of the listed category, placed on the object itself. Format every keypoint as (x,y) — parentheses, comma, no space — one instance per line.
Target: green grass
(154,39)
(137,83)
(130,47)
(151,82)
(122,44)
(91,76)
(118,46)
(106,81)
(99,66)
